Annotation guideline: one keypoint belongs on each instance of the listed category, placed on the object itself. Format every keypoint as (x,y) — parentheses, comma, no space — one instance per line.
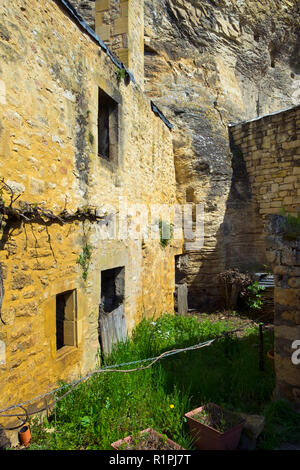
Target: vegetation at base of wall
(291,226)
(282,425)
(254,300)
(84,260)
(111,406)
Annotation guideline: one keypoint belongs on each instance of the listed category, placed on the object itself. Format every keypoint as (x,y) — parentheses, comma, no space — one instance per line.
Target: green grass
(111,406)
(282,425)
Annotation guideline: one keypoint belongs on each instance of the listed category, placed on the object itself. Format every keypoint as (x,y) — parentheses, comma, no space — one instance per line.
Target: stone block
(103,32)
(286,371)
(102,5)
(120,26)
(123,55)
(288,257)
(124,9)
(291,145)
(20,281)
(289,297)
(254,425)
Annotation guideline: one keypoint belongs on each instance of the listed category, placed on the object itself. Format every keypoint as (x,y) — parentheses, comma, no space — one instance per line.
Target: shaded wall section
(283,253)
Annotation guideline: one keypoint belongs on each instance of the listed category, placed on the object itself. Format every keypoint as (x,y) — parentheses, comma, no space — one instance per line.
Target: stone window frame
(70,326)
(115,121)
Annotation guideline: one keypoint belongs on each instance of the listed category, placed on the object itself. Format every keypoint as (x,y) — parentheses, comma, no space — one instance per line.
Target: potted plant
(148,439)
(270,354)
(213,428)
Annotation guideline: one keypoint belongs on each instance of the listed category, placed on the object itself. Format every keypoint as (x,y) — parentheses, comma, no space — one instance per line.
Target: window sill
(107,158)
(65,351)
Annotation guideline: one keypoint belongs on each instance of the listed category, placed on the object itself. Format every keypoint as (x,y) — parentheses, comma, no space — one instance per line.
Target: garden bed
(110,406)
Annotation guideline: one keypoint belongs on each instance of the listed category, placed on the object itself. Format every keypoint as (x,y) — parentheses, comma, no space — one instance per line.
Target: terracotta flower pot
(270,354)
(206,437)
(25,436)
(132,442)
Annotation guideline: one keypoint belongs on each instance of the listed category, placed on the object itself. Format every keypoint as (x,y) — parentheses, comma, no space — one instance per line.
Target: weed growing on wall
(84,260)
(120,74)
(166,233)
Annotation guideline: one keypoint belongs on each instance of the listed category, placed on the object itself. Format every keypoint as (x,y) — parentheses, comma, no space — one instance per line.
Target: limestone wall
(267,152)
(270,147)
(120,23)
(49,78)
(283,254)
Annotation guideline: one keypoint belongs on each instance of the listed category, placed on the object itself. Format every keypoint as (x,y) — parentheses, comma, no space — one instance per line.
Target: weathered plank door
(112,329)
(182,299)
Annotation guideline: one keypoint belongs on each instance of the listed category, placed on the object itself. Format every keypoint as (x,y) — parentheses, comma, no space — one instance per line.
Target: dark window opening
(107,125)
(180,269)
(65,319)
(112,289)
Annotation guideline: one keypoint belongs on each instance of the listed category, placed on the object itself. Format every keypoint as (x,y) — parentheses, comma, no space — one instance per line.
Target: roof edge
(263,116)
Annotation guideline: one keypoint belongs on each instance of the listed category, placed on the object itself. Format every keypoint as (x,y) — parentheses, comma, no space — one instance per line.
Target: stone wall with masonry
(49,80)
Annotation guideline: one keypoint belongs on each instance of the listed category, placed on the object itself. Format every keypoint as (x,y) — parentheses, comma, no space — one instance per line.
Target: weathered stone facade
(120,23)
(50,74)
(283,254)
(267,153)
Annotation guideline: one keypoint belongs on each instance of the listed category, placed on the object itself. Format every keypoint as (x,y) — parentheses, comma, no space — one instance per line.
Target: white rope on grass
(112,368)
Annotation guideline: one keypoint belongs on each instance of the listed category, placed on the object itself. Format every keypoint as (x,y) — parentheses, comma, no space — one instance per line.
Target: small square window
(107,126)
(66,319)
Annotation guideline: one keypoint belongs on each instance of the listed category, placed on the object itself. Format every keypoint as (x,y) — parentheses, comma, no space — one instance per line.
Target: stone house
(80,145)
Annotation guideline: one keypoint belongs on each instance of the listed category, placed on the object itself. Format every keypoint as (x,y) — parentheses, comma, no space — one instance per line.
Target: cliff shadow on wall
(239,242)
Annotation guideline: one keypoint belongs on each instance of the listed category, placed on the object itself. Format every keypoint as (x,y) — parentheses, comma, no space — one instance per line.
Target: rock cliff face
(208,63)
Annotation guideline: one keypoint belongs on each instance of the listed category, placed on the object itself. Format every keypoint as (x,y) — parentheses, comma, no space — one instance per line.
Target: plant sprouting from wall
(165,232)
(84,260)
(120,74)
